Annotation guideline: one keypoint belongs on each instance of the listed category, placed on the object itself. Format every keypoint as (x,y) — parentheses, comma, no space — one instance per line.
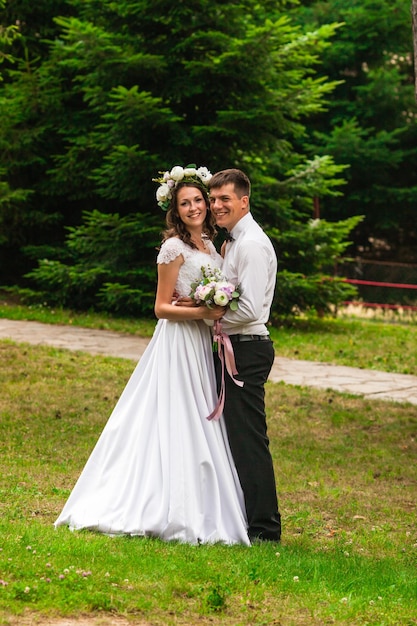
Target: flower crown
(178,174)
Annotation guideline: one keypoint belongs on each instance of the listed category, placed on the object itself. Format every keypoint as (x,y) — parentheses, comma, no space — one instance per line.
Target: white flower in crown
(190,171)
(163,193)
(204,174)
(170,179)
(177,173)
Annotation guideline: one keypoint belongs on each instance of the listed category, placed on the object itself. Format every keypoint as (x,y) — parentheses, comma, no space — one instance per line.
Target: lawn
(347,485)
(386,342)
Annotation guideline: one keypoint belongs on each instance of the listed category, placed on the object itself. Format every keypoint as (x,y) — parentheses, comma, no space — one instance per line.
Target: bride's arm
(165,307)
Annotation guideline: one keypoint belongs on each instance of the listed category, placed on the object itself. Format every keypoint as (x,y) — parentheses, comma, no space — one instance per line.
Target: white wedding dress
(160,468)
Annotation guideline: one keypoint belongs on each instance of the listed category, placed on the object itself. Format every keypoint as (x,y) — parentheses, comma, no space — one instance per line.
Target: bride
(160,468)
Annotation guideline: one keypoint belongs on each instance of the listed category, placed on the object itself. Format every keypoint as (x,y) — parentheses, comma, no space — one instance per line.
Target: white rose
(221,298)
(177,173)
(204,174)
(190,171)
(163,193)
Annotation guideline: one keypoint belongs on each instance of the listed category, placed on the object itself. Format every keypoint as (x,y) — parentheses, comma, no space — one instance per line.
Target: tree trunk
(414,16)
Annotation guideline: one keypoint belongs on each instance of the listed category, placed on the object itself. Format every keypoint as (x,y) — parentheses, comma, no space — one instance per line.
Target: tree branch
(414,19)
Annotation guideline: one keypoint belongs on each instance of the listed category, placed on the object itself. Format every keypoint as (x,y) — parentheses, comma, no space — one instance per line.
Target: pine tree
(124,90)
(371,123)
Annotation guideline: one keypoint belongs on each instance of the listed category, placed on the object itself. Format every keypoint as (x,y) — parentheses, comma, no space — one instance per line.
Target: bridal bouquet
(214,288)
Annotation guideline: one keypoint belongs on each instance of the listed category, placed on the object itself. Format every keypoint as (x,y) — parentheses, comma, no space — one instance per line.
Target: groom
(249,261)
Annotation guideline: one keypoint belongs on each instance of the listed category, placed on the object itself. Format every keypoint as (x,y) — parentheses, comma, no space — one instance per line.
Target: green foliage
(118,298)
(296,293)
(107,268)
(11,210)
(118,91)
(308,256)
(371,123)
(319,244)
(8,34)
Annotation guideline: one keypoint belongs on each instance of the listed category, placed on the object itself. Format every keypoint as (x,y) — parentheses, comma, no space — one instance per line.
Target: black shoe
(264,537)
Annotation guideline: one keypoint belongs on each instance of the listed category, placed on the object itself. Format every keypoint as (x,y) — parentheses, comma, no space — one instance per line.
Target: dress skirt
(160,468)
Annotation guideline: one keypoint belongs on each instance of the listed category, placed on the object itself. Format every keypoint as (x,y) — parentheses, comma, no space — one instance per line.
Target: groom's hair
(236,177)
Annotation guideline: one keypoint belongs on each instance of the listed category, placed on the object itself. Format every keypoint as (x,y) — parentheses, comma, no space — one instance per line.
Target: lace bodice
(190,270)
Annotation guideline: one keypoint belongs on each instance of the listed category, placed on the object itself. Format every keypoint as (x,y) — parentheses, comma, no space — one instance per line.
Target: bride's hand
(215,313)
(185,301)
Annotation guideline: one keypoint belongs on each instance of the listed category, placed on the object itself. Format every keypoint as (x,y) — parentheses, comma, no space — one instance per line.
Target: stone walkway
(368,383)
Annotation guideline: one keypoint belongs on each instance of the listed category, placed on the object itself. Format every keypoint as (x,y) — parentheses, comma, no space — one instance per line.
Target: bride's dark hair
(176,227)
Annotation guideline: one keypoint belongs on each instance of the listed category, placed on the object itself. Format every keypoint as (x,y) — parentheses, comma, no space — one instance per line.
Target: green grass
(88,319)
(347,485)
(386,343)
(367,343)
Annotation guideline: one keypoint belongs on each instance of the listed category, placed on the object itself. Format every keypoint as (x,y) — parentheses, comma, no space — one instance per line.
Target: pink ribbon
(227,359)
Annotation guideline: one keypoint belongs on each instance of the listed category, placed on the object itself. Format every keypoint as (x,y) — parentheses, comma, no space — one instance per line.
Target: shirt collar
(241,226)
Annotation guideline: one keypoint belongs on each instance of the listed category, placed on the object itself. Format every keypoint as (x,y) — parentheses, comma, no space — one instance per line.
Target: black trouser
(245,418)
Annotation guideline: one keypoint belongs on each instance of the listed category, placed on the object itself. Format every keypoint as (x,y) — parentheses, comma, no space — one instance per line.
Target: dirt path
(367,383)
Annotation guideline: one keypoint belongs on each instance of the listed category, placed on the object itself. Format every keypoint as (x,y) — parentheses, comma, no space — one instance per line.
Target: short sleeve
(170,249)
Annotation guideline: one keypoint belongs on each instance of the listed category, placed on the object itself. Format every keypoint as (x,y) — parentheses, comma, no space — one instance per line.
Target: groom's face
(227,207)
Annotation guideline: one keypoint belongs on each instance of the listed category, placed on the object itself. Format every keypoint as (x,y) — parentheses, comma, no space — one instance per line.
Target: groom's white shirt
(250,261)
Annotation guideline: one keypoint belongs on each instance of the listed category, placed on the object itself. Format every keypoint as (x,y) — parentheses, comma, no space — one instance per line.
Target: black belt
(240,338)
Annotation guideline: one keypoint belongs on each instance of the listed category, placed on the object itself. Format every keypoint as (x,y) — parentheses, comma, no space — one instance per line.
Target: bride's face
(192,207)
